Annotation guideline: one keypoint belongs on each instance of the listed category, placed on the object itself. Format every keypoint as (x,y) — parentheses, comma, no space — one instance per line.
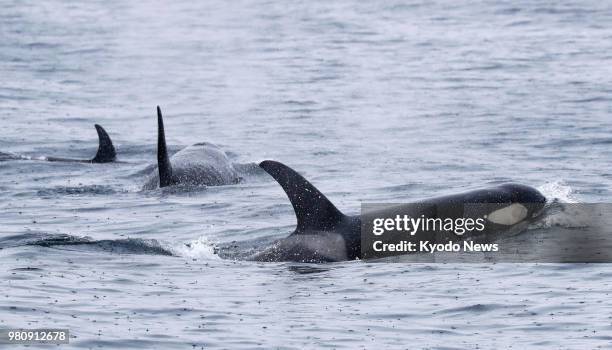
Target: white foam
(557,214)
(558,191)
(200,248)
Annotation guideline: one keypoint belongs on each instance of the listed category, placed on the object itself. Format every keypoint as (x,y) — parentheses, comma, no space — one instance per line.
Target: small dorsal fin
(312,209)
(163,161)
(106,151)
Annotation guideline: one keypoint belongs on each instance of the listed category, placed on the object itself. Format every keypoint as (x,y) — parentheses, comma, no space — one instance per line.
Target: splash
(200,248)
(558,191)
(562,209)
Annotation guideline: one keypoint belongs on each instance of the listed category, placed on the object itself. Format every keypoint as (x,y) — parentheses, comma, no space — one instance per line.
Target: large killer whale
(201,164)
(325,234)
(106,152)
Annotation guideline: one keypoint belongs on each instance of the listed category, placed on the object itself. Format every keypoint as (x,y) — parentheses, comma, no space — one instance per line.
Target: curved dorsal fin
(106,151)
(312,209)
(163,161)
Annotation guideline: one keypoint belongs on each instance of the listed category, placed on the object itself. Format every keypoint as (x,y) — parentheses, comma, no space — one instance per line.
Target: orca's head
(524,194)
(524,203)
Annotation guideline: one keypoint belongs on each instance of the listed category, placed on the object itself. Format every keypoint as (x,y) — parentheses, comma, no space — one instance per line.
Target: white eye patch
(509,215)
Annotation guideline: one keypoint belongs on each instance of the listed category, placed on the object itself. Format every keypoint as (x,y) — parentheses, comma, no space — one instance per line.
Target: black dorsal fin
(106,151)
(312,209)
(163,161)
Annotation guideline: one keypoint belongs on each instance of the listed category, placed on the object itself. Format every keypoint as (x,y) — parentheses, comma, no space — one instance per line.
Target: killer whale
(106,152)
(325,234)
(201,164)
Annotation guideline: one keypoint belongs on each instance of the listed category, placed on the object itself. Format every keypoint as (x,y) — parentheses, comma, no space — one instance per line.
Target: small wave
(472,309)
(27,269)
(303,269)
(80,190)
(590,99)
(300,103)
(115,246)
(519,23)
(4,156)
(41,45)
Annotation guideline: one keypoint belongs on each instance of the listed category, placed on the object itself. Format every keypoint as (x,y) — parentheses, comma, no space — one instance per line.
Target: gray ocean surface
(372,101)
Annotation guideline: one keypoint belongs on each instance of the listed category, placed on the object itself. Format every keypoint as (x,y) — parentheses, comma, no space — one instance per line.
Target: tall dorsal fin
(312,209)
(163,161)
(106,151)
